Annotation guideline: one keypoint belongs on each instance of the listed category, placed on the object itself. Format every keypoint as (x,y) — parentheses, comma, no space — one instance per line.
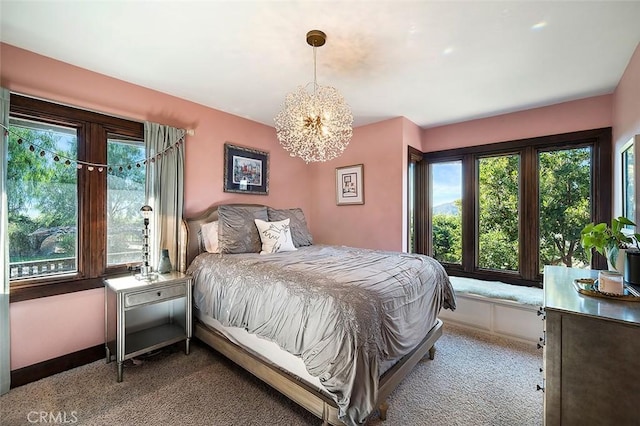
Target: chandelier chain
(315,70)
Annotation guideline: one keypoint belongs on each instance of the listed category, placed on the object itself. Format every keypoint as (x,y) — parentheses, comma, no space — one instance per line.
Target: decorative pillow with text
(275,236)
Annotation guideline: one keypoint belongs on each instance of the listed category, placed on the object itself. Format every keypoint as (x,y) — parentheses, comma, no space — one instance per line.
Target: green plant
(607,240)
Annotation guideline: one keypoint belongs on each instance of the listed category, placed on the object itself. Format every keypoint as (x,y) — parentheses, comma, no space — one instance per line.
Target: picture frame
(350,185)
(246,170)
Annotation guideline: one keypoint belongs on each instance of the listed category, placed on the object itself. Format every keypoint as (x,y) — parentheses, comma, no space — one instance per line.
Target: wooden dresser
(591,354)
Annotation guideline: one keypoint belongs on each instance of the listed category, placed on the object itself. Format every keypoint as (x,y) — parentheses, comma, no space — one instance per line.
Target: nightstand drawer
(153,296)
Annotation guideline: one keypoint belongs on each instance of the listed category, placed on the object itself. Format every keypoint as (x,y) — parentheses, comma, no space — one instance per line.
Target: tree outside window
(522,205)
(64,199)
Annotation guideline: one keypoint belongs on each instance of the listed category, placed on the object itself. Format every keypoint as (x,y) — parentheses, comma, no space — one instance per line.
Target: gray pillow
(298,225)
(237,231)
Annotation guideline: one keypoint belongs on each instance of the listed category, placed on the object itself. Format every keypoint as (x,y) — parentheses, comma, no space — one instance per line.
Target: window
(125,196)
(628,182)
(520,205)
(446,211)
(411,201)
(498,212)
(70,223)
(42,200)
(565,205)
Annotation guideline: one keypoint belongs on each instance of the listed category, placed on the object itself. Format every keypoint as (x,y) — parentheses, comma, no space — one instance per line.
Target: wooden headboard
(193,244)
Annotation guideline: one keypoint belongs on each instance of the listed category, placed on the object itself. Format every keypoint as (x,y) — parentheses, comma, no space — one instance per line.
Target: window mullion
(469,213)
(422,213)
(601,182)
(529,229)
(84,234)
(94,208)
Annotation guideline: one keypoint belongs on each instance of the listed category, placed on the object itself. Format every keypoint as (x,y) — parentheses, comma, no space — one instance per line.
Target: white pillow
(275,236)
(209,232)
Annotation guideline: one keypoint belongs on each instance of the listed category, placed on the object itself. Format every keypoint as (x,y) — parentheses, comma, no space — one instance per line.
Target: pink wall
(626,125)
(584,114)
(411,136)
(38,336)
(626,101)
(381,222)
(378,222)
(46,328)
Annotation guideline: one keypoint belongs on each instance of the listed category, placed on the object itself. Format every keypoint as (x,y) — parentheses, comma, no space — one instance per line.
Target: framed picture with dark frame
(246,170)
(350,185)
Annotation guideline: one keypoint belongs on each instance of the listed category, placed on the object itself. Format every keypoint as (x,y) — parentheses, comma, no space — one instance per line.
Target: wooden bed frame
(314,401)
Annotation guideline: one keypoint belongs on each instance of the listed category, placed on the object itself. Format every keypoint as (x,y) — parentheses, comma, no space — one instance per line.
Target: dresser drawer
(153,296)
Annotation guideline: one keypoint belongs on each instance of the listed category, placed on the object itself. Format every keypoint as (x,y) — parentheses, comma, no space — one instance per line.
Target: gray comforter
(342,310)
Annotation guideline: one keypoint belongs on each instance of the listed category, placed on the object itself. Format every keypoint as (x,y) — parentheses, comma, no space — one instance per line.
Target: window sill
(21,293)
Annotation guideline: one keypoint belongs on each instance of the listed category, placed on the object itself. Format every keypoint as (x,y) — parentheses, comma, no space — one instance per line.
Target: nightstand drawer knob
(159,293)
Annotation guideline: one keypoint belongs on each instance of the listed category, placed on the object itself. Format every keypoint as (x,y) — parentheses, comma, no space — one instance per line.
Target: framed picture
(246,170)
(350,185)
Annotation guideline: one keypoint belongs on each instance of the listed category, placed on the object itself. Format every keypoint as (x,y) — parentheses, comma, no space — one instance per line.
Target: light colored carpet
(475,379)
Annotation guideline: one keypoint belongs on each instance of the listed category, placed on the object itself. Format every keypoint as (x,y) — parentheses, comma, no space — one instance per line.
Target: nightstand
(141,316)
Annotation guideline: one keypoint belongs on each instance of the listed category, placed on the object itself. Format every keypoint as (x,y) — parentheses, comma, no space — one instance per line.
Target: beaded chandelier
(314,126)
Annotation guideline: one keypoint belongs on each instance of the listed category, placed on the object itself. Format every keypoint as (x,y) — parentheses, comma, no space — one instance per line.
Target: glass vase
(164,265)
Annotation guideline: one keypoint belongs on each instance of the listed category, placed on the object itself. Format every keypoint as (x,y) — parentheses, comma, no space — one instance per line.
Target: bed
(333,328)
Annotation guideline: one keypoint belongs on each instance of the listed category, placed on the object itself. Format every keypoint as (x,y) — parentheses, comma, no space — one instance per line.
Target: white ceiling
(434,62)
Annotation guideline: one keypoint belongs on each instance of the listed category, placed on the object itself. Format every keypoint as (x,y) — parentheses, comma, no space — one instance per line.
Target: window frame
(429,201)
(476,208)
(92,130)
(628,148)
(111,138)
(528,275)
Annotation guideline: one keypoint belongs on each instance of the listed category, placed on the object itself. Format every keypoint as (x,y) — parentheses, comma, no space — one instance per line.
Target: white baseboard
(496,316)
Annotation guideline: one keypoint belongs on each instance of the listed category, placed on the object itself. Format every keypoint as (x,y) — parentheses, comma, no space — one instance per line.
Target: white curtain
(5,337)
(165,189)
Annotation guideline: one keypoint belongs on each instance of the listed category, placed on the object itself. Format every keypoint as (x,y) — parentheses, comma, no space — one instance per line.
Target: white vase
(620,260)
